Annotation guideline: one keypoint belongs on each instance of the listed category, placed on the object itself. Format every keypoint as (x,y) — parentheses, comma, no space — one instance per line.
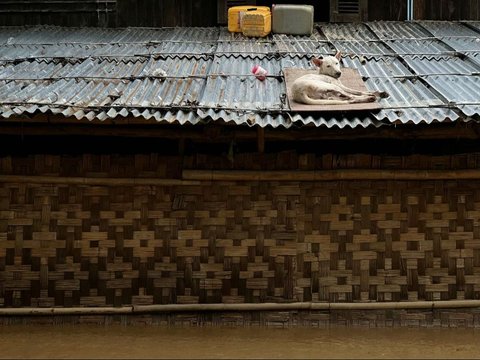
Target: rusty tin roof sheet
(190,75)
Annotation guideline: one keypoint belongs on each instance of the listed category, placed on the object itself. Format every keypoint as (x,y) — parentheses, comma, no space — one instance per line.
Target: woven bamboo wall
(233,242)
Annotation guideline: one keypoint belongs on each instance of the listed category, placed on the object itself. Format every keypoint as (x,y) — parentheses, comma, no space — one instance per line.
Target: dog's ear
(317,61)
(338,55)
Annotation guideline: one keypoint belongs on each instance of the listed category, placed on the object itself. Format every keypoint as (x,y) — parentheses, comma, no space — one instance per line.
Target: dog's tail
(305,99)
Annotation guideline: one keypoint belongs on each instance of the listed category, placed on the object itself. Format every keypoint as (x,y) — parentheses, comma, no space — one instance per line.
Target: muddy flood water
(81,341)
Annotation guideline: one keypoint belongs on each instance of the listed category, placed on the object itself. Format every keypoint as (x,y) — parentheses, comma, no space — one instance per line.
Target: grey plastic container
(292,19)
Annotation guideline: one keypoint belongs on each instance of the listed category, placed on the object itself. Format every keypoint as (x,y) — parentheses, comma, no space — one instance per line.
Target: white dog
(324,88)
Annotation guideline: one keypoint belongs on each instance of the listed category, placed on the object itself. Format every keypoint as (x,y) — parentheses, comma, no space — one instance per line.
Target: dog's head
(329,65)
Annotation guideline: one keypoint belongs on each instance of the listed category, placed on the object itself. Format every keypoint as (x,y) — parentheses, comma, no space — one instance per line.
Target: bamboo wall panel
(92,246)
(390,241)
(237,241)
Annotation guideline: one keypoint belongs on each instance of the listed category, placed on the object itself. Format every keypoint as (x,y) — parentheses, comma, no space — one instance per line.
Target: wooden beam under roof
(222,132)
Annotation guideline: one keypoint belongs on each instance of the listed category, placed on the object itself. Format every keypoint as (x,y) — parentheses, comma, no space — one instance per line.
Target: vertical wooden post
(221,12)
(181,146)
(419,7)
(261,140)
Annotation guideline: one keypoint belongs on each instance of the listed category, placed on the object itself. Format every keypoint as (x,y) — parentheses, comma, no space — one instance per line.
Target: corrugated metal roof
(461,91)
(446,28)
(463,44)
(389,67)
(234,66)
(246,49)
(102,74)
(419,46)
(301,47)
(441,65)
(409,100)
(458,36)
(82,51)
(398,30)
(475,57)
(288,120)
(246,93)
(347,31)
(96,68)
(365,48)
(473,24)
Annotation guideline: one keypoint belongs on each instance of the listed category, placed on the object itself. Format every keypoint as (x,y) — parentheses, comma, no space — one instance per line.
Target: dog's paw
(383,94)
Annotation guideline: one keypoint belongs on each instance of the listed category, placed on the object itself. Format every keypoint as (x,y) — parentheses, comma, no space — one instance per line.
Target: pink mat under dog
(350,78)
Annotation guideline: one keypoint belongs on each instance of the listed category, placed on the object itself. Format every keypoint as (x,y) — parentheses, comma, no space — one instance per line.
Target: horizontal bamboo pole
(93,181)
(309,306)
(384,305)
(330,175)
(229,307)
(194,177)
(297,306)
(66,311)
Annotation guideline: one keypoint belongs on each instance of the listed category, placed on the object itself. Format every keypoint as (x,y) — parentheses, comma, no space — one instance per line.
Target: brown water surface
(24,341)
